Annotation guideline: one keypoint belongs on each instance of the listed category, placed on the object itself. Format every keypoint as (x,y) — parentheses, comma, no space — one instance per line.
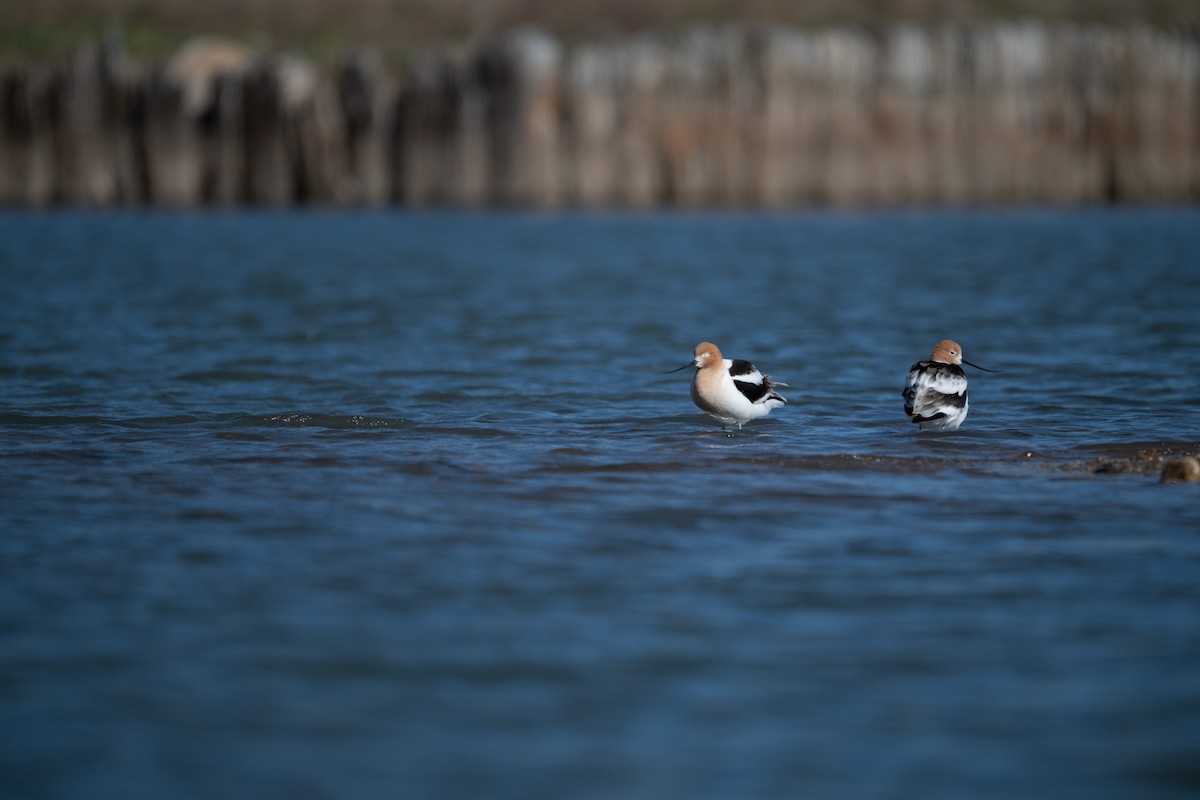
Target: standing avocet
(732,391)
(935,396)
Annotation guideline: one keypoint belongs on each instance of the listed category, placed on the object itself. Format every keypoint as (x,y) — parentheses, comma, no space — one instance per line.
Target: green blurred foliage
(321,28)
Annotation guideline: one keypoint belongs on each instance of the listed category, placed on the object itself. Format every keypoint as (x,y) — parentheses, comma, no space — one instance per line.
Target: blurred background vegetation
(319,29)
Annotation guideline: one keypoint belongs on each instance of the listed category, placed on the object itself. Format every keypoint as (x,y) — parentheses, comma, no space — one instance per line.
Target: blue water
(327,504)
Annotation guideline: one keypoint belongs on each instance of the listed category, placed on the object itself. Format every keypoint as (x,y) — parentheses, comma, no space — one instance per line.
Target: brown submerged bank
(1170,462)
(735,117)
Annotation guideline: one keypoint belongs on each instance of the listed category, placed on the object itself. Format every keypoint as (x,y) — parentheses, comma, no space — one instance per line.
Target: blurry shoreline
(733,117)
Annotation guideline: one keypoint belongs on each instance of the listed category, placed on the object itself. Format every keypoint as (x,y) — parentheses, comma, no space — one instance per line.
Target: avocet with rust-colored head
(732,391)
(935,396)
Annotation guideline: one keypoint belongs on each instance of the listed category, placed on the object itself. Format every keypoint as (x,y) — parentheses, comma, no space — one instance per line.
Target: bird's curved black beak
(685,366)
(976,366)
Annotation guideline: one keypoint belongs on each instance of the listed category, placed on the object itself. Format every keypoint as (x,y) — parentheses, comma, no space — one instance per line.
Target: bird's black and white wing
(934,391)
(754,386)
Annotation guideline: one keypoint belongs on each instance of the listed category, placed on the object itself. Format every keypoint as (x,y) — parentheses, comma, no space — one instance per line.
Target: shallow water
(393,504)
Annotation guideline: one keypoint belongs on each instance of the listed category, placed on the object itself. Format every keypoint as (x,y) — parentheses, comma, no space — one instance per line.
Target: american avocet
(935,396)
(732,391)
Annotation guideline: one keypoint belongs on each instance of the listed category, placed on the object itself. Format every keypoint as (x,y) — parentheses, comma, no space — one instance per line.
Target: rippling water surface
(402,505)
